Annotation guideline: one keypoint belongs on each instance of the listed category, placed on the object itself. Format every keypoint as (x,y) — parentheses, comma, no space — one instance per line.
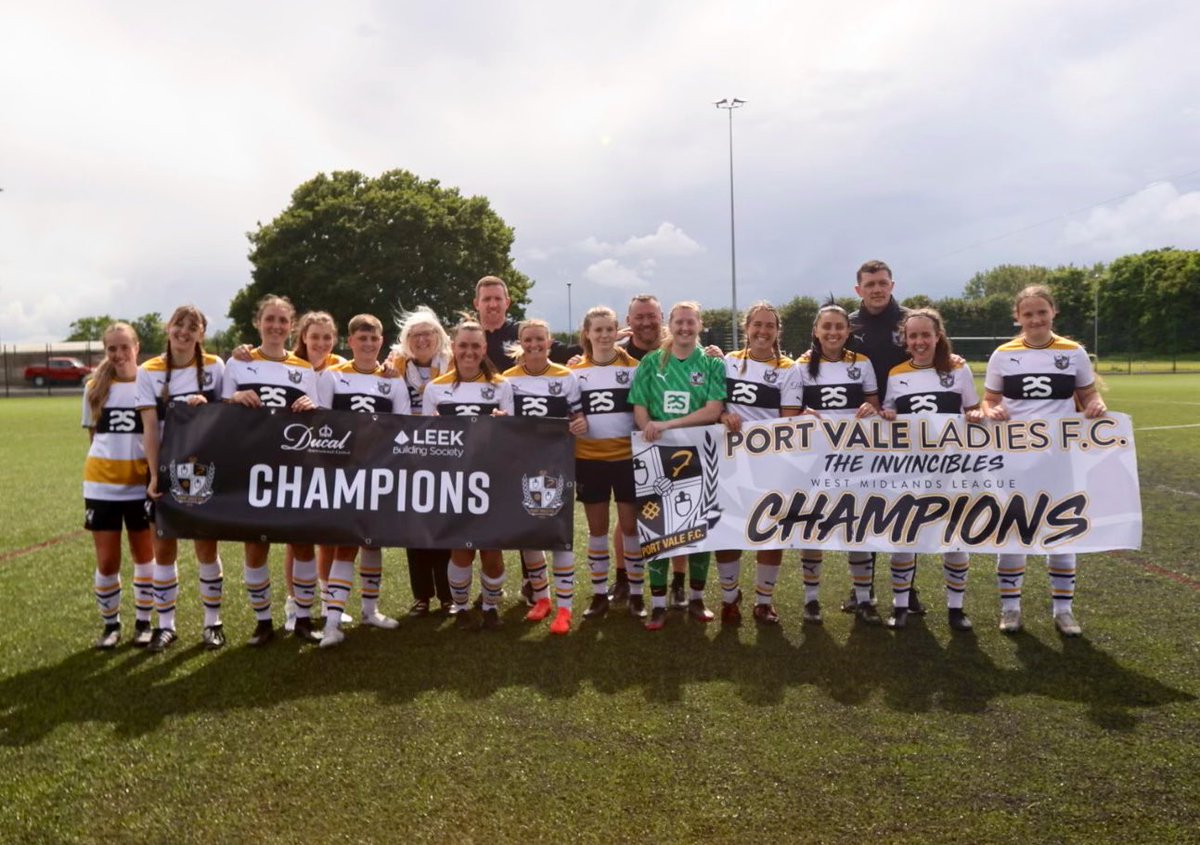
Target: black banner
(340,478)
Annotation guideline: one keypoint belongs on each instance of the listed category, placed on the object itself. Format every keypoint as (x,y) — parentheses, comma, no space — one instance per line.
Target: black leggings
(427,574)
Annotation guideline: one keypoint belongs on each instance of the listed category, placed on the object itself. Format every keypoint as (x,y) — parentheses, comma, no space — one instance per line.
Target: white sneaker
(1066,624)
(289,614)
(331,636)
(375,619)
(346,619)
(1010,621)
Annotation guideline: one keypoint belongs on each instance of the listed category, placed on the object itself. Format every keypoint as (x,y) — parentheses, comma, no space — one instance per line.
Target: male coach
(875,326)
(491,304)
(875,332)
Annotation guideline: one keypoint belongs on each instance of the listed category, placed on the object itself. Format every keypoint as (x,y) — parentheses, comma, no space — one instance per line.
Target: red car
(60,371)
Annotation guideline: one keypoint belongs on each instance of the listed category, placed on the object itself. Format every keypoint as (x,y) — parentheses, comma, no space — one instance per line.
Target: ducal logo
(299,437)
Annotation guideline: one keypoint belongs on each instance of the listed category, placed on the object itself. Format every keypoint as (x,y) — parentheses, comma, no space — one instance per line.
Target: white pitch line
(1167,489)
(1165,427)
(1159,402)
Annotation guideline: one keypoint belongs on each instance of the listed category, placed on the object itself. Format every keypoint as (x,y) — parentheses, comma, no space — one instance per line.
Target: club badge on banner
(923,483)
(344,478)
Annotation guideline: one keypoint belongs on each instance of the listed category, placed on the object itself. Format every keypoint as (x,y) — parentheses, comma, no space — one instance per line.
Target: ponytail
(103,376)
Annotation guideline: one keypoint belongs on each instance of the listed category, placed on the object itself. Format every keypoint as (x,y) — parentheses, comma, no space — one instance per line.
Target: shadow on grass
(913,672)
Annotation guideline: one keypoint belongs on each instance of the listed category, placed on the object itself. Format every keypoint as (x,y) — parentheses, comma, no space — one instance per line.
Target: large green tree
(89,328)
(1148,302)
(149,327)
(1004,280)
(350,244)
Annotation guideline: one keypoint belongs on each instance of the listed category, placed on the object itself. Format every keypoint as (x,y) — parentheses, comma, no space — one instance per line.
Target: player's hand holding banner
(927,483)
(345,478)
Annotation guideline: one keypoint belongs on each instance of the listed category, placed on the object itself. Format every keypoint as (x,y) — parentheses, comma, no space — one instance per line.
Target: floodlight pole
(570,317)
(729,104)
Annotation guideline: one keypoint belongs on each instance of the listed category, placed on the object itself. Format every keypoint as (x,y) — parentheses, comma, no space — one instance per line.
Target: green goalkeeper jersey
(681,388)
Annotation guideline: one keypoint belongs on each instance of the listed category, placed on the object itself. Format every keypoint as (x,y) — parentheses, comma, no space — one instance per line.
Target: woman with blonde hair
(114,486)
(676,386)
(421,354)
(542,388)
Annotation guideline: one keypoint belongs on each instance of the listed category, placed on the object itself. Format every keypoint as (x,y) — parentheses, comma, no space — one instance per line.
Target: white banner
(923,483)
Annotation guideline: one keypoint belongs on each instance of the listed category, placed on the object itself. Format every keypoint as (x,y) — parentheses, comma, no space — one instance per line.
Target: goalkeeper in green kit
(678,386)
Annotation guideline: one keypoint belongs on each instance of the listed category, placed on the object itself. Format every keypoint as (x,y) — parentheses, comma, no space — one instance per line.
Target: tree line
(1145,301)
(348,243)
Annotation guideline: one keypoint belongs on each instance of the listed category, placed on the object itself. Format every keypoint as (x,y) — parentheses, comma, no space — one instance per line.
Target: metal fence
(24,368)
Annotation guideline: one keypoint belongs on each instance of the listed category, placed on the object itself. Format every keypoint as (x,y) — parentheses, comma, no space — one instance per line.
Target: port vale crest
(676,488)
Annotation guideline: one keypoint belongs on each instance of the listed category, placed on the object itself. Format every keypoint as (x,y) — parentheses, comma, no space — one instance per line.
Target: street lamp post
(729,104)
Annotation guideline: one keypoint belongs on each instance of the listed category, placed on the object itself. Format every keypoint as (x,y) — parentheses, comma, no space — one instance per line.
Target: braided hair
(196,316)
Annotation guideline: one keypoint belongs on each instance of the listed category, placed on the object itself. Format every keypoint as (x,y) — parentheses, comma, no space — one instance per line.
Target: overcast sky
(140,141)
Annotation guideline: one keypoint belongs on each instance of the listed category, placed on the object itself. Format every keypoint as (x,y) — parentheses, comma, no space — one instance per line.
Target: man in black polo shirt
(644,319)
(875,326)
(875,332)
(491,304)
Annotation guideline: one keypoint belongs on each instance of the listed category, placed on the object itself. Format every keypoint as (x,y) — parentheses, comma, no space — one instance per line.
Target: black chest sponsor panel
(1039,386)
(119,421)
(541,406)
(275,395)
(752,393)
(609,400)
(466,409)
(932,402)
(364,403)
(833,397)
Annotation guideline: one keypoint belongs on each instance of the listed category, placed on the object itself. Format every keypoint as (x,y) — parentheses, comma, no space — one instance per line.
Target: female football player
(184,372)
(316,336)
(762,385)
(676,386)
(603,458)
(545,389)
(837,382)
(275,378)
(472,388)
(361,385)
(1039,373)
(932,381)
(114,486)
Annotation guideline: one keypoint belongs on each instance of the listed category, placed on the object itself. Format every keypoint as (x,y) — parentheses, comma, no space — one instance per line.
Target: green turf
(832,734)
